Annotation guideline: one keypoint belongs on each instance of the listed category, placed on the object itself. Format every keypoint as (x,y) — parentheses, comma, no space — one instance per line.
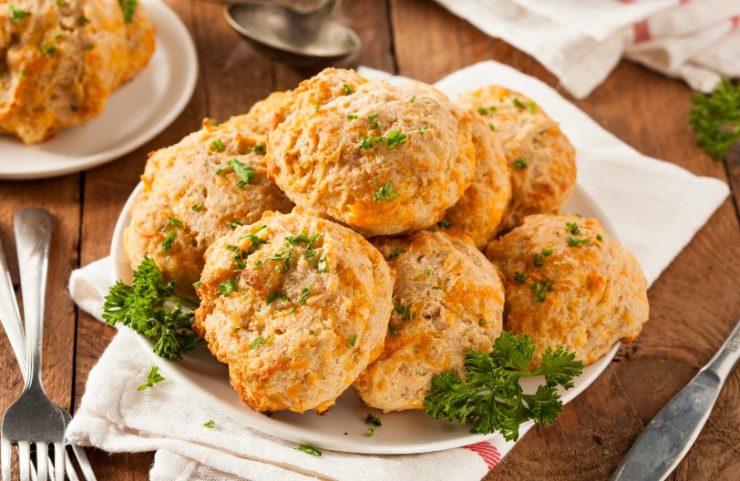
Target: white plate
(344,428)
(135,113)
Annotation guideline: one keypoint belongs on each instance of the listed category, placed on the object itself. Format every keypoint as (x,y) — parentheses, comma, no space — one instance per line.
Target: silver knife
(668,437)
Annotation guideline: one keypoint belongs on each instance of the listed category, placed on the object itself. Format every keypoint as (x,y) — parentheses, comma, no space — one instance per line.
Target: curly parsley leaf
(715,119)
(490,397)
(151,307)
(153,377)
(128,7)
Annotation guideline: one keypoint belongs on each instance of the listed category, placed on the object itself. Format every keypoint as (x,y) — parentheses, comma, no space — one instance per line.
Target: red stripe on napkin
(641,31)
(487,452)
(735,21)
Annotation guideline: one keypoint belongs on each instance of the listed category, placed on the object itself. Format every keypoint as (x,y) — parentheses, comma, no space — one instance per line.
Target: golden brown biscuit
(194,192)
(448,300)
(380,158)
(567,282)
(297,306)
(63,60)
(481,209)
(541,159)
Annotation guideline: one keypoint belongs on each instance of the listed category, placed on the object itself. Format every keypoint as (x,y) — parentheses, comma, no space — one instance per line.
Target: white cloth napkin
(582,41)
(654,206)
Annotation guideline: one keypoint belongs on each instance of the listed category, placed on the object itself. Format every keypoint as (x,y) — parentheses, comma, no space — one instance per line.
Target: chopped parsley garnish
(234,224)
(128,7)
(271,297)
(423,129)
(151,307)
(444,224)
(573,228)
(395,139)
(370,431)
(521,105)
(210,424)
(347,89)
(385,193)
(217,145)
(258,341)
(599,237)
(196,284)
(491,126)
(412,99)
(286,254)
(236,329)
(576,242)
(715,119)
(168,241)
(396,251)
(153,377)
(520,277)
(373,420)
(351,340)
(369,142)
(539,258)
(82,20)
(197,207)
(393,330)
(351,117)
(244,172)
(490,397)
(173,222)
(373,118)
(259,149)
(486,110)
(304,295)
(227,287)
(308,449)
(49,49)
(403,311)
(540,290)
(18,14)
(520,163)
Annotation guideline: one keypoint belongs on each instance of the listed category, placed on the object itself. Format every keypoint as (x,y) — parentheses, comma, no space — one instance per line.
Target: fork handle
(33,238)
(9,315)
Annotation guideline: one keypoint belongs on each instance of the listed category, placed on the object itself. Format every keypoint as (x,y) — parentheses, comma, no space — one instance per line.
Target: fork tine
(5,455)
(42,464)
(60,458)
(85,467)
(70,471)
(24,460)
(34,476)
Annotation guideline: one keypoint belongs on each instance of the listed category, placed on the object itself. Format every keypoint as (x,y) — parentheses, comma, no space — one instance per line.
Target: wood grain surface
(693,304)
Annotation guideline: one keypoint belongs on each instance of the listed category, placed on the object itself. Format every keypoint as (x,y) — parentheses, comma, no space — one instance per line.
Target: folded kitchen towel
(582,41)
(655,208)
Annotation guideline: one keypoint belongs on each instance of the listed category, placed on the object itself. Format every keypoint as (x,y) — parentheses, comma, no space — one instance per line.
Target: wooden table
(693,304)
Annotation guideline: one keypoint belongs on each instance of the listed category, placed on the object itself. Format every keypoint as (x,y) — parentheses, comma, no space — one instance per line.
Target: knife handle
(727,355)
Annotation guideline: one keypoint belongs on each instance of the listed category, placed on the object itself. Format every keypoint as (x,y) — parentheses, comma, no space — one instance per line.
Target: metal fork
(11,321)
(33,419)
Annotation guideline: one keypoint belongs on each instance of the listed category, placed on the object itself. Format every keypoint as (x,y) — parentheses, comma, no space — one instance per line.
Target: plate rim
(188,52)
(267,426)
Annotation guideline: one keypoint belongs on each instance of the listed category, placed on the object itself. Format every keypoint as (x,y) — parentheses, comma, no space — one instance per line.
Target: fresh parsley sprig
(151,307)
(716,119)
(490,397)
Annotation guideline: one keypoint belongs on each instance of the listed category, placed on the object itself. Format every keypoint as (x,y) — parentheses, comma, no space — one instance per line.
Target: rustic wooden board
(693,304)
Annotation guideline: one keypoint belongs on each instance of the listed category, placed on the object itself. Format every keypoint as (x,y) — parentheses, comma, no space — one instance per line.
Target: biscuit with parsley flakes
(297,306)
(448,300)
(481,209)
(568,283)
(195,191)
(62,60)
(380,158)
(541,158)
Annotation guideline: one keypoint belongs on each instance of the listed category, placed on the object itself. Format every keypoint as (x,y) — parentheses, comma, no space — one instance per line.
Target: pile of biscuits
(335,236)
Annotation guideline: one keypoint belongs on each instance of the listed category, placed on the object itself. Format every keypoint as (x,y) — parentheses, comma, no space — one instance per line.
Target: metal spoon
(285,31)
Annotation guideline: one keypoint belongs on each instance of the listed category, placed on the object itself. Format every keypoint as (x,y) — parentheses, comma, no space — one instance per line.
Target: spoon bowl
(283,30)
